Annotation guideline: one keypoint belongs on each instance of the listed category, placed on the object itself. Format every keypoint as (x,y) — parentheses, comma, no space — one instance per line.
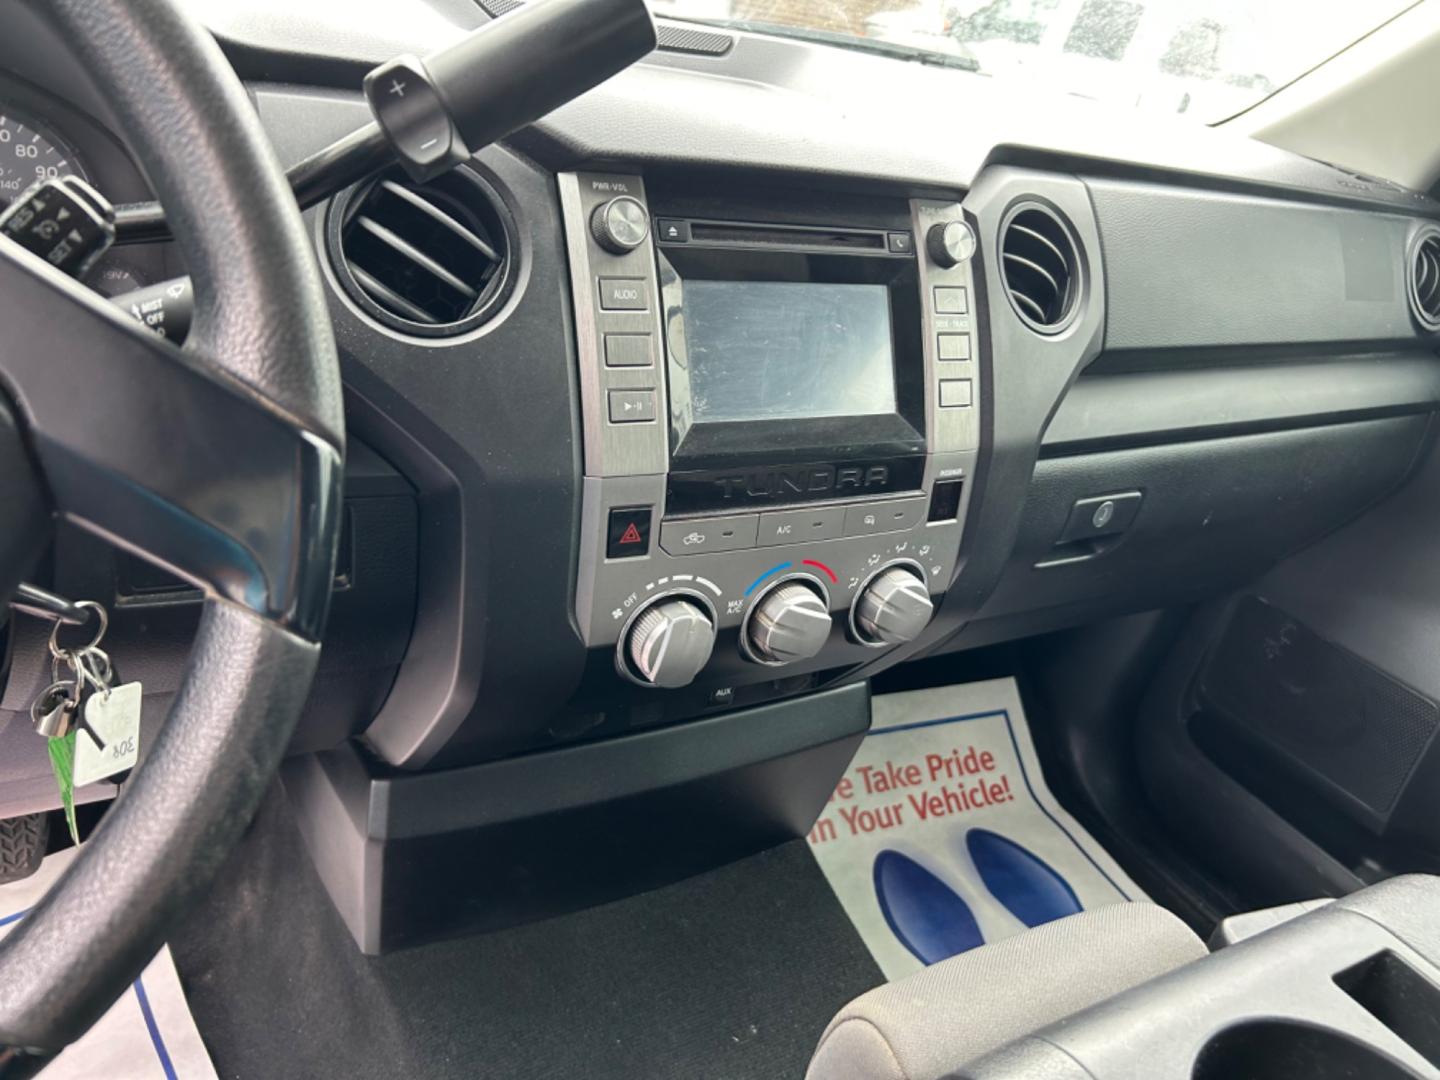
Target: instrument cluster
(43,137)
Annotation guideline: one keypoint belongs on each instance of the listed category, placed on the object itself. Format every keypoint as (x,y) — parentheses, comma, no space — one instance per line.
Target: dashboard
(761,369)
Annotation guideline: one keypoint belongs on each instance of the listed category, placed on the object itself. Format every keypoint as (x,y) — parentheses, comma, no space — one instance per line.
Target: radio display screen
(783,350)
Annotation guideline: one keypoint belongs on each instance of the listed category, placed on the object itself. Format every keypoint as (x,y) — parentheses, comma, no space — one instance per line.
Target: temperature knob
(791,622)
(620,225)
(893,608)
(668,643)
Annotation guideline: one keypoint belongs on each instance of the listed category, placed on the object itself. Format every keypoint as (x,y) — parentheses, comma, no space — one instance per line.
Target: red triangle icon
(631,535)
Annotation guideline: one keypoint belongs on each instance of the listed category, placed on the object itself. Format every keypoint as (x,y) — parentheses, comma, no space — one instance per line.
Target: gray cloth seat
(928,1025)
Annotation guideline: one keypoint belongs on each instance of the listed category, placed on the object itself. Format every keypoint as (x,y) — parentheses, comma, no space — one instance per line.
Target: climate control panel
(669,635)
(796,607)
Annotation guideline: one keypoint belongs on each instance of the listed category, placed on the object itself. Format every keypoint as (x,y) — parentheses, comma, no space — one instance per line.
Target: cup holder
(1284,1050)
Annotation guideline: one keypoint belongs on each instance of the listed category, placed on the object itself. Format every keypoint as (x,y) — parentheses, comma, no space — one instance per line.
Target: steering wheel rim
(247,506)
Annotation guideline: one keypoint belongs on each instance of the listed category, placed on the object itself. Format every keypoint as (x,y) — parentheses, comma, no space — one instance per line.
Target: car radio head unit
(782,425)
(784,344)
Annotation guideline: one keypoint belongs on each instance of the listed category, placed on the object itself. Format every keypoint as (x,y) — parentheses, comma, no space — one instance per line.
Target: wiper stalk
(875,46)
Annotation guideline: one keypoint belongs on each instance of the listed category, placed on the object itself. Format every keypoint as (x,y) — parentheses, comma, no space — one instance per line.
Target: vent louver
(1040,267)
(431,259)
(1424,278)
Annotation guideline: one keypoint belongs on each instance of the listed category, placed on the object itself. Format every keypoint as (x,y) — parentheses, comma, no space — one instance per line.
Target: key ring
(62,687)
(88,605)
(98,670)
(90,665)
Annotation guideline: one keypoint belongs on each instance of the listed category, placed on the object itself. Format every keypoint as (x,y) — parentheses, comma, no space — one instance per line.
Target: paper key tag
(116,720)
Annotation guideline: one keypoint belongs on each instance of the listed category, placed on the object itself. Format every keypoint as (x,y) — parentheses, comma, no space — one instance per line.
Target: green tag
(62,760)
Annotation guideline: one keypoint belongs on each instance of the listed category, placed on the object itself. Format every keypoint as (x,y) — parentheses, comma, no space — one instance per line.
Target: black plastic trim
(1107,412)
(414,857)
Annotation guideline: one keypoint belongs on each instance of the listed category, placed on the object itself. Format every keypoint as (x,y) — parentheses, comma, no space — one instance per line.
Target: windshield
(1204,59)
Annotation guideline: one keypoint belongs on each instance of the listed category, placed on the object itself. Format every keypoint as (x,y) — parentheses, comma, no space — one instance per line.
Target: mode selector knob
(668,643)
(790,623)
(620,225)
(893,608)
(950,243)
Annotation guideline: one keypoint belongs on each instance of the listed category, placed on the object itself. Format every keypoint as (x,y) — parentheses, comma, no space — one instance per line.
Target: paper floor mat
(148,1033)
(943,836)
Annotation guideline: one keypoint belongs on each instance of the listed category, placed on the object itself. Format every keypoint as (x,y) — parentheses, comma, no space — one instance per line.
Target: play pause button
(632,406)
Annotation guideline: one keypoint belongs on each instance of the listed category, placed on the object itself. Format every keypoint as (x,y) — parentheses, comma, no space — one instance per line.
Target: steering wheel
(221,461)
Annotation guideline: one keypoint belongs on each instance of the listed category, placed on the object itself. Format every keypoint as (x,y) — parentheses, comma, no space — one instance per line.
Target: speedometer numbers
(29,154)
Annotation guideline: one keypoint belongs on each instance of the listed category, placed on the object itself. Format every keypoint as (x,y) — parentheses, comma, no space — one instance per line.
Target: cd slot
(733,234)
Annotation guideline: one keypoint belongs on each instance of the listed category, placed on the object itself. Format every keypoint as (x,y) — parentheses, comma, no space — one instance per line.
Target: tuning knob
(620,225)
(893,608)
(950,243)
(668,643)
(791,622)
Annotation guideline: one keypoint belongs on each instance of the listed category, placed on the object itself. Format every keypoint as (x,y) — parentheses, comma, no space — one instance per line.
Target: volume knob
(893,608)
(668,643)
(620,225)
(950,243)
(790,623)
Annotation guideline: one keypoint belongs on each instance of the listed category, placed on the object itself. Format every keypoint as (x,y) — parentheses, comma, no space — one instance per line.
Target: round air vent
(1041,268)
(430,259)
(1424,277)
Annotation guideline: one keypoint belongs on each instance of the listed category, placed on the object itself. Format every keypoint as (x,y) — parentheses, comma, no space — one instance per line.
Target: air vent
(1424,278)
(1042,273)
(430,259)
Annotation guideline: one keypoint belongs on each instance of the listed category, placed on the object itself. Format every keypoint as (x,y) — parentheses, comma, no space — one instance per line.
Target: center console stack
(781,397)
(781,405)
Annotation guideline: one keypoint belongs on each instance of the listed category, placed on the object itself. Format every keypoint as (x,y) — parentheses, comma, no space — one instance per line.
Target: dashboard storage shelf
(410,858)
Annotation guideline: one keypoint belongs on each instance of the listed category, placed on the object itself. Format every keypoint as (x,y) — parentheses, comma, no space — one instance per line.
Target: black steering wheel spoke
(221,461)
(167,456)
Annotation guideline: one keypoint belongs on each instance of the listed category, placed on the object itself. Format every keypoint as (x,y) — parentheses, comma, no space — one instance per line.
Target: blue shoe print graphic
(1023,882)
(922,911)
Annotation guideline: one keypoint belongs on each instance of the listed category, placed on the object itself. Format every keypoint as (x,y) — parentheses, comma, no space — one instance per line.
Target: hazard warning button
(629,532)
